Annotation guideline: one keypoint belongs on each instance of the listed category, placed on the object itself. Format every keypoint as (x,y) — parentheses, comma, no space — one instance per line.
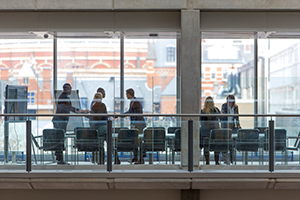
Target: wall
(147,194)
(248,194)
(147,5)
(91,194)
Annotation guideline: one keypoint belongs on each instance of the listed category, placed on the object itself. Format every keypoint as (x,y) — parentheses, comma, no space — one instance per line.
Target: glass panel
(156,147)
(279,60)
(24,64)
(220,145)
(228,69)
(150,67)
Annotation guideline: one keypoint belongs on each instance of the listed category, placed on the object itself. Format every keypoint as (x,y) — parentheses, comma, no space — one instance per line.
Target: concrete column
(190,194)
(190,80)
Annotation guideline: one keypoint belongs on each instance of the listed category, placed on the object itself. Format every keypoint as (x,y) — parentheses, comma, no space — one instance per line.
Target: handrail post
(109,145)
(190,146)
(28,145)
(271,146)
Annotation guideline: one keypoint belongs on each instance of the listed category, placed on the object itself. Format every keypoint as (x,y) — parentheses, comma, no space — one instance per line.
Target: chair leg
(130,157)
(53,157)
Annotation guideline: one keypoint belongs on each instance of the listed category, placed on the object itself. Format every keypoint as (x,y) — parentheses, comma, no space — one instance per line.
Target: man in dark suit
(230,107)
(137,122)
(64,106)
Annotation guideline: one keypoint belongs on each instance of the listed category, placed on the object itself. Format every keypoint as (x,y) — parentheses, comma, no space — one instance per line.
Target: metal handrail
(149,115)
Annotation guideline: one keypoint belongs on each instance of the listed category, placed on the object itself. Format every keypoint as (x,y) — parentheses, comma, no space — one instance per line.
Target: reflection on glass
(280,63)
(228,69)
(155,147)
(25,67)
(150,69)
(224,146)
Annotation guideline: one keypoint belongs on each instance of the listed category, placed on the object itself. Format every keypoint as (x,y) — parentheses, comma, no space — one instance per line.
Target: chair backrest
(280,140)
(220,139)
(261,129)
(128,136)
(223,134)
(154,139)
(87,139)
(53,139)
(117,129)
(86,134)
(247,140)
(173,129)
(127,140)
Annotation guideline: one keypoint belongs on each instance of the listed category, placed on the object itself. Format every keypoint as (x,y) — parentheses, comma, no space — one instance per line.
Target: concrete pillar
(190,194)
(190,80)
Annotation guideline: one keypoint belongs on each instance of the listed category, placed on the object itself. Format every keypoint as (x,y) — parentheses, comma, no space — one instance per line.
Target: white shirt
(231,111)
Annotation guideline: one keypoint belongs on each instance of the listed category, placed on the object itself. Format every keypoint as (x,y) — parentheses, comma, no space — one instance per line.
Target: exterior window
(31,98)
(170,54)
(225,75)
(25,81)
(213,73)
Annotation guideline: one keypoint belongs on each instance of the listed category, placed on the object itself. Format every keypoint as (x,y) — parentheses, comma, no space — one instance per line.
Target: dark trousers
(140,125)
(61,125)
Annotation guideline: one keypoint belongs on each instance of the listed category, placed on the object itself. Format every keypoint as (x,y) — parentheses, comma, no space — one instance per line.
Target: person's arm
(218,112)
(104,111)
(224,119)
(237,119)
(91,104)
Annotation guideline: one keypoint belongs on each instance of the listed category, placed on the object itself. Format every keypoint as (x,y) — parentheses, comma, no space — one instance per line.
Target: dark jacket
(225,110)
(64,106)
(136,108)
(96,122)
(209,122)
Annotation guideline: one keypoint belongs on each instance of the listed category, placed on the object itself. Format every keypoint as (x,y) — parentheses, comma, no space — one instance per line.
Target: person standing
(137,122)
(230,107)
(102,91)
(64,106)
(209,123)
(99,122)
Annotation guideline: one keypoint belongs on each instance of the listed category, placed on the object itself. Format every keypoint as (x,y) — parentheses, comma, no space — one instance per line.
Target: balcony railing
(167,142)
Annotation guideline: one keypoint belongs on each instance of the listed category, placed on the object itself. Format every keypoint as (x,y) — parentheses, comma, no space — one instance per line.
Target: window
(213,73)
(31,98)
(25,81)
(170,54)
(225,74)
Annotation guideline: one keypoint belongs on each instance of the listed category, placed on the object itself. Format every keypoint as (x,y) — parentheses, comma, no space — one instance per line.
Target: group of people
(209,123)
(64,106)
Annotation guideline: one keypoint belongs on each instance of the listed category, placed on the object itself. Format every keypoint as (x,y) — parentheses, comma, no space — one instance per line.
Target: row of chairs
(89,140)
(250,140)
(154,140)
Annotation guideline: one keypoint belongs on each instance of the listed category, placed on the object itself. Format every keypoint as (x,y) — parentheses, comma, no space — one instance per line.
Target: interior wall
(248,194)
(91,194)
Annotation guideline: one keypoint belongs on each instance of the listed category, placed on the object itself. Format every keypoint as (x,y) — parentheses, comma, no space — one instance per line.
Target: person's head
(67,88)
(100,89)
(230,100)
(209,104)
(130,93)
(98,97)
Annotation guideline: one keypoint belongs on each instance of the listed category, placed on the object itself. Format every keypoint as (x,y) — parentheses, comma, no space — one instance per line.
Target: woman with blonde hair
(208,123)
(99,122)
